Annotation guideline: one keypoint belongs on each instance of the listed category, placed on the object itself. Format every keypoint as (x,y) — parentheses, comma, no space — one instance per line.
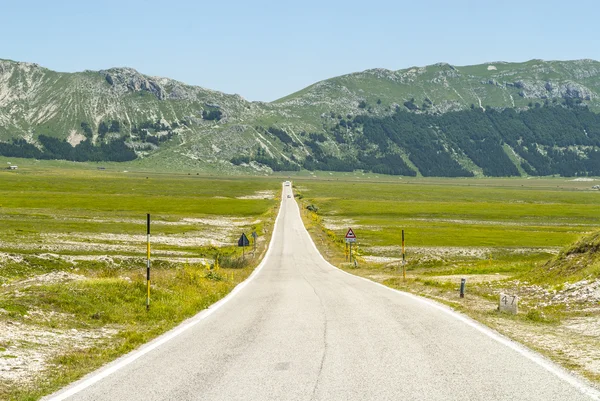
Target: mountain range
(494,119)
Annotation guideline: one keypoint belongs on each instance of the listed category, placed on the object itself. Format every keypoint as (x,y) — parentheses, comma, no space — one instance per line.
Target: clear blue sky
(264,50)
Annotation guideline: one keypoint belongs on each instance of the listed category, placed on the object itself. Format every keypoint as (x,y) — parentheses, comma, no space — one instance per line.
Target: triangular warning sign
(243,241)
(350,234)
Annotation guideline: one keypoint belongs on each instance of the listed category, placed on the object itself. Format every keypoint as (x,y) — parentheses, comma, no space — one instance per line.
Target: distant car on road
(287,183)
(289,196)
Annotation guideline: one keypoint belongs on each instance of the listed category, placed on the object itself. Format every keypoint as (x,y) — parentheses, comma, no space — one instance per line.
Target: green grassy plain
(469,213)
(502,235)
(42,202)
(454,226)
(72,260)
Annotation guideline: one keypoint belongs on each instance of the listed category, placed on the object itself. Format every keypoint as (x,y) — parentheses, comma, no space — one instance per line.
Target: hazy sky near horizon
(264,50)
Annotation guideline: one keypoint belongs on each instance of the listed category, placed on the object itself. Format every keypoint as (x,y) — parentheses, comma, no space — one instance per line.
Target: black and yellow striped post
(148,262)
(403,259)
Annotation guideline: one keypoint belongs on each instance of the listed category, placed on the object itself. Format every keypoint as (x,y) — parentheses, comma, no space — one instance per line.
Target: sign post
(254,237)
(243,242)
(148,262)
(350,238)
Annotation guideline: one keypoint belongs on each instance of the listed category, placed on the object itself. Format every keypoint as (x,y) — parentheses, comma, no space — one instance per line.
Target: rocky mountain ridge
(206,128)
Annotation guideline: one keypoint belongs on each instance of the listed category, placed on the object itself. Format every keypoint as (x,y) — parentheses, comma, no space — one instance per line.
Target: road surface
(300,329)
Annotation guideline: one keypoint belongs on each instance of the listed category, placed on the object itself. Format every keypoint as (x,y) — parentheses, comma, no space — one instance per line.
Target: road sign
(243,241)
(350,236)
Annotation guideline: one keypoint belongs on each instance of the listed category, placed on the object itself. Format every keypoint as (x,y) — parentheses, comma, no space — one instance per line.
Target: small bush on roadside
(190,274)
(233,262)
(312,208)
(536,315)
(430,283)
(214,275)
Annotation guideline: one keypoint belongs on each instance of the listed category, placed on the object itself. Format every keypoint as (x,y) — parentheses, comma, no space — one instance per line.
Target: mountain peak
(125,79)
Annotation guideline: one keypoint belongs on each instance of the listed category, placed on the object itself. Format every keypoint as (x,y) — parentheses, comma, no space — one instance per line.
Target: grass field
(501,235)
(484,213)
(72,256)
(72,263)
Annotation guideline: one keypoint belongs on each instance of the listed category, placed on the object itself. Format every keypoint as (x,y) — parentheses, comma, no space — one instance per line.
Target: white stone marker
(508,303)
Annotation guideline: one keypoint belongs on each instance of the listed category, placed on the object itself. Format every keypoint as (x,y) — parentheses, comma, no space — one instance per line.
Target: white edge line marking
(125,360)
(551,367)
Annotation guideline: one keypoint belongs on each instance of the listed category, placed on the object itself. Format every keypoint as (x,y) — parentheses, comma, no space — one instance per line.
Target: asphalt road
(302,330)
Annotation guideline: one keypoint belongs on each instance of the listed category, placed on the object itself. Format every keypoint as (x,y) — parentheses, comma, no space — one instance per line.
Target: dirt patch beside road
(26,349)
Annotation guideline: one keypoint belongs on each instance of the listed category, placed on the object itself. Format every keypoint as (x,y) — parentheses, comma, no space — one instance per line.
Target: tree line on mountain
(282,135)
(542,138)
(392,164)
(147,131)
(414,134)
(212,115)
(542,141)
(317,160)
(54,148)
(547,139)
(106,148)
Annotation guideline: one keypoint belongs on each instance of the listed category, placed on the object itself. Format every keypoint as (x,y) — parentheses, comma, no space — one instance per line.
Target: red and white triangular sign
(350,234)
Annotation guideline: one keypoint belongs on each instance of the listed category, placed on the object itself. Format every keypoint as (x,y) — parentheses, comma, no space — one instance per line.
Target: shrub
(214,275)
(233,262)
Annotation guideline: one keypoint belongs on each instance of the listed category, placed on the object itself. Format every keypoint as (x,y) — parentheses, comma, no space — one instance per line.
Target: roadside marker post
(403,259)
(463,283)
(148,262)
(508,303)
(254,237)
(243,242)
(350,238)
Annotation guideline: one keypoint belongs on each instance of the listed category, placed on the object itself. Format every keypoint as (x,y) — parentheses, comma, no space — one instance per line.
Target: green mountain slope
(171,124)
(36,101)
(455,88)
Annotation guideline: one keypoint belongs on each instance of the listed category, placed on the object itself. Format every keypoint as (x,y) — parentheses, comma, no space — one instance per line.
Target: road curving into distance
(300,329)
